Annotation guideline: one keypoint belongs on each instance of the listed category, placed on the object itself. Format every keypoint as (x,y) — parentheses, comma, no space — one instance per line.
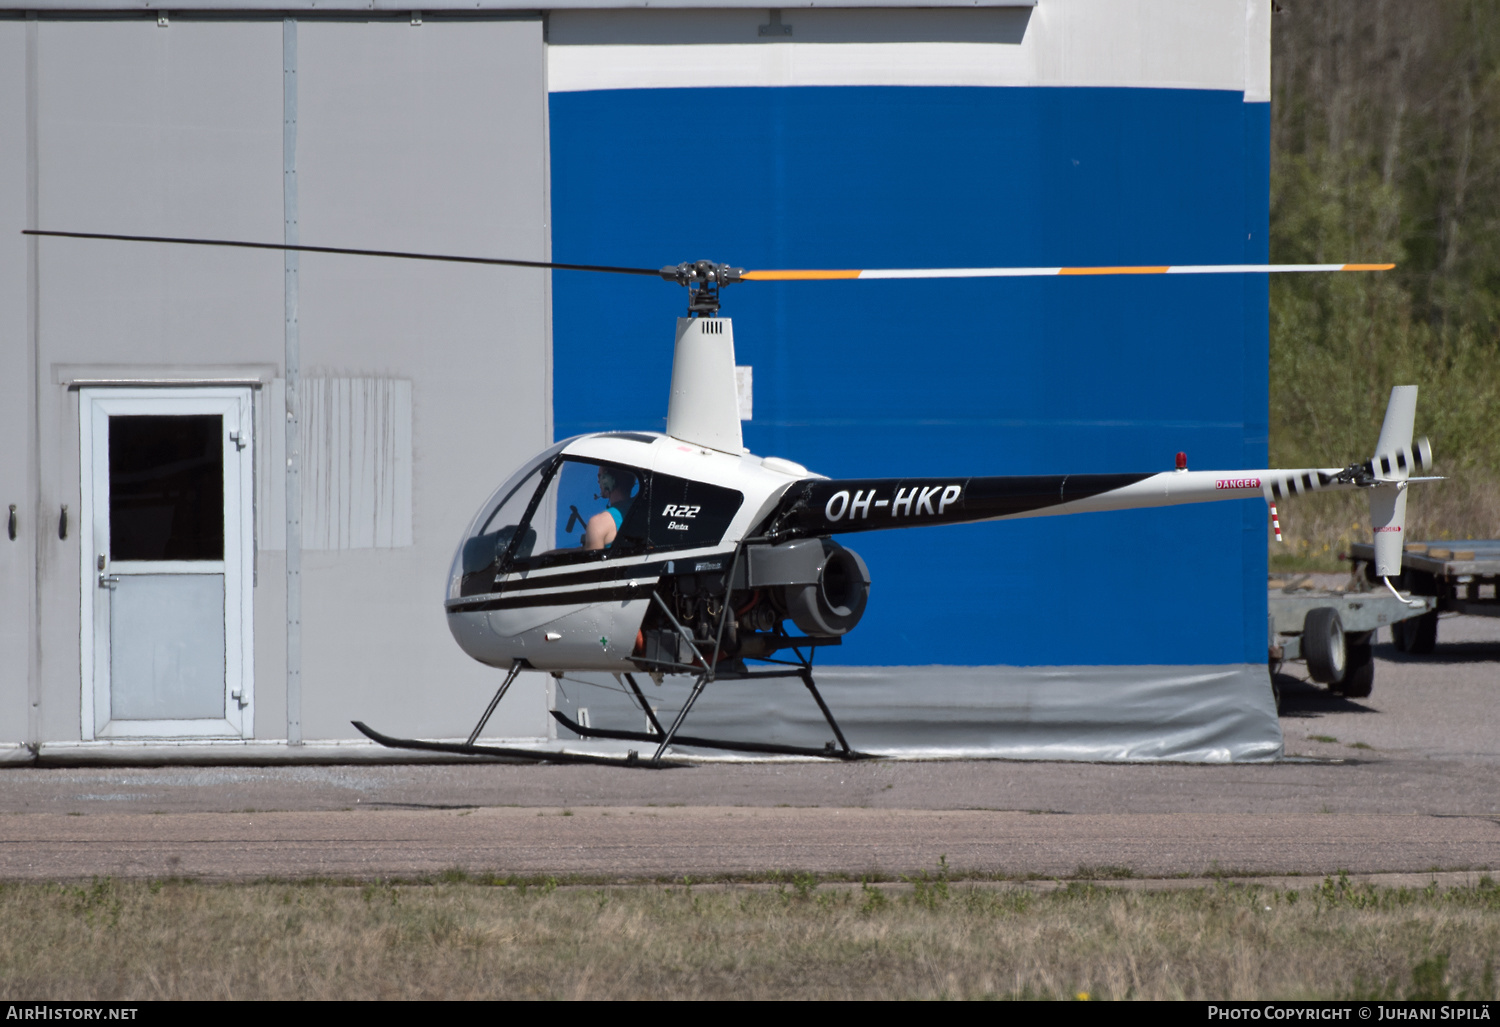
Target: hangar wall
(1076,131)
(178,131)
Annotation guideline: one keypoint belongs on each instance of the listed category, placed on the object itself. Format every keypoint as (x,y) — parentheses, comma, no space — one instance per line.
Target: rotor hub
(703,279)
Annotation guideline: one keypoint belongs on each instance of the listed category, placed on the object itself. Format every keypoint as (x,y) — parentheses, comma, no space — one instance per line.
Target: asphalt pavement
(1405,781)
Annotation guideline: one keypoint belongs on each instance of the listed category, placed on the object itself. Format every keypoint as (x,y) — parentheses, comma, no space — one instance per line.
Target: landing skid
(829,751)
(705,671)
(521,755)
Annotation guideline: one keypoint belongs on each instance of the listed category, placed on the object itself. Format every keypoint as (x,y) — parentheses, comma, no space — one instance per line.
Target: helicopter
(709,561)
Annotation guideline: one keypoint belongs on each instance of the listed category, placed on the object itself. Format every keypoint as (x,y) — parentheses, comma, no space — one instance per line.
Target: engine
(815,583)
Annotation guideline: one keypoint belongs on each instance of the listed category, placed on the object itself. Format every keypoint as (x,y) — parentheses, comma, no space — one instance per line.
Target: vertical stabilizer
(1400,416)
(704,406)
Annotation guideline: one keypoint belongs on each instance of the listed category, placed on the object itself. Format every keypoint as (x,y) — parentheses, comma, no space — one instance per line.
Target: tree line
(1385,147)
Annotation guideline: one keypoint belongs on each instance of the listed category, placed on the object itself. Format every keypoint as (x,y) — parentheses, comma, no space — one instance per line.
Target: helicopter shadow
(1305,700)
(1445,653)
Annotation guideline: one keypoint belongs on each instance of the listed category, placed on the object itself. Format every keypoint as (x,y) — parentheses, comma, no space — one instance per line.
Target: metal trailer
(1333,632)
(1461,577)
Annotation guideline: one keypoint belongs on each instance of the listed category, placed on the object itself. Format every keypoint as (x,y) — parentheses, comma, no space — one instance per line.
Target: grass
(799,937)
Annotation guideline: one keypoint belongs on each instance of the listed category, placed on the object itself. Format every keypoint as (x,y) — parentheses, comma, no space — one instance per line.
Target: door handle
(11,527)
(108,581)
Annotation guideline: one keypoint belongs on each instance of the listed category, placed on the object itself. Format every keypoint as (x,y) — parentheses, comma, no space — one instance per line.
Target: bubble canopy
(570,507)
(493,526)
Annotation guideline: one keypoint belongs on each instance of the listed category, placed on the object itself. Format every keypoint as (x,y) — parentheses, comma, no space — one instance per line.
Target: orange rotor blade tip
(1368,267)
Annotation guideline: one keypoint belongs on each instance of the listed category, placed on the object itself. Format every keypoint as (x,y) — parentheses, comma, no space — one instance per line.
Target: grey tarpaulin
(1209,714)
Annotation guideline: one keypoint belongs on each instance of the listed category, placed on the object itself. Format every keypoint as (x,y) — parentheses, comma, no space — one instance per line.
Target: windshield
(490,534)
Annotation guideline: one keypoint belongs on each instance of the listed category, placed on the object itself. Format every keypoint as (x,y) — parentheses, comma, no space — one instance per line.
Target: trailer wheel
(1323,645)
(1359,673)
(1416,635)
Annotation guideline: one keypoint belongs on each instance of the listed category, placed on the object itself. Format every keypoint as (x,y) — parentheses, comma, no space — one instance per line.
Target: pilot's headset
(610,476)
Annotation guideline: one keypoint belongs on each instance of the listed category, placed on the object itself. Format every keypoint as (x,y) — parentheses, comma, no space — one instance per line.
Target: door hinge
(237,439)
(239,696)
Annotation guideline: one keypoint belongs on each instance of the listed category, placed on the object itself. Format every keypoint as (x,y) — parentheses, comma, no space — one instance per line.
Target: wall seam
(33,393)
(549,425)
(293,384)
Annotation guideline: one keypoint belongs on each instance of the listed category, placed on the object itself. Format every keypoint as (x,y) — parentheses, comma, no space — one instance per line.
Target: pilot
(615,484)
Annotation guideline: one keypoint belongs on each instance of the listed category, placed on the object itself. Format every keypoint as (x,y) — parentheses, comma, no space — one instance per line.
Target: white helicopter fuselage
(554,620)
(702,526)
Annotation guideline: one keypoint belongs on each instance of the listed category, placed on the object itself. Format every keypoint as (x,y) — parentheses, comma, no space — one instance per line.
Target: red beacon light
(1182,461)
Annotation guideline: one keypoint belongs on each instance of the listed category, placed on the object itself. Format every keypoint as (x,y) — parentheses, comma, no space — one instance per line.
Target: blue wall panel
(980,377)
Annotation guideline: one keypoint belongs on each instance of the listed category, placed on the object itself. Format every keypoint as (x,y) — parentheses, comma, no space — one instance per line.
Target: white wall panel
(17,558)
(428,137)
(153,131)
(1160,44)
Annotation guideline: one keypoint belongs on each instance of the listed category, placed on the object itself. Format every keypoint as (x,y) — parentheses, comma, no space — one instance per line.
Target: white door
(167,562)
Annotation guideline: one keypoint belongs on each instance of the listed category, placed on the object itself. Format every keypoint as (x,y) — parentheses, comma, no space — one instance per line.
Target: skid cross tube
(681,716)
(707,674)
(703,678)
(807,680)
(515,668)
(650,716)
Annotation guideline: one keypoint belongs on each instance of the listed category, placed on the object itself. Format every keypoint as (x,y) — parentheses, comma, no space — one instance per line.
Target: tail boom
(824,506)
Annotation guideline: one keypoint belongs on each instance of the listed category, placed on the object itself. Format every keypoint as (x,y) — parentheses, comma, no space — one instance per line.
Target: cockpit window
(479,558)
(560,510)
(484,551)
(589,510)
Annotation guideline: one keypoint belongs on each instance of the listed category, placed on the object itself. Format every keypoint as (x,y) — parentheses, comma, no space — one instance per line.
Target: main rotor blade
(1041,272)
(749,276)
(402,254)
